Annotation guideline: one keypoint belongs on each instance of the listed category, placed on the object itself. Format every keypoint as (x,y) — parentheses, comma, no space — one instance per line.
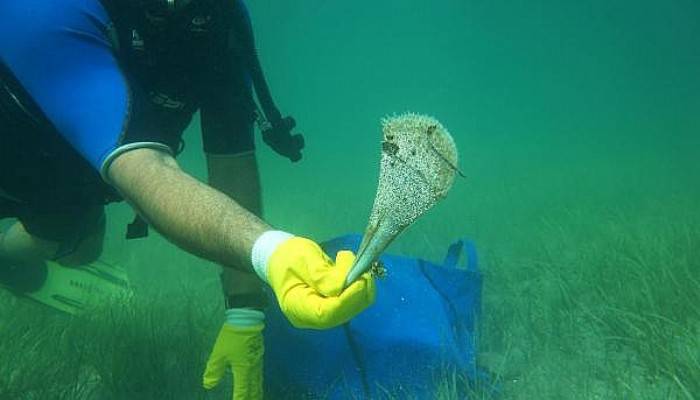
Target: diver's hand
(307,284)
(239,347)
(278,135)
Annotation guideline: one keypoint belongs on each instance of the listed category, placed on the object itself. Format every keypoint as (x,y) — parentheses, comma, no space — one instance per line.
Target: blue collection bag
(422,325)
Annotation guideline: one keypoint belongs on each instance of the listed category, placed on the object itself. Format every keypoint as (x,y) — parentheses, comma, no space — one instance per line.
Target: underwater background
(578,126)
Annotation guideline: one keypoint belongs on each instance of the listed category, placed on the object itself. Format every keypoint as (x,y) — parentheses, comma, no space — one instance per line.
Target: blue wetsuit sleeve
(61,53)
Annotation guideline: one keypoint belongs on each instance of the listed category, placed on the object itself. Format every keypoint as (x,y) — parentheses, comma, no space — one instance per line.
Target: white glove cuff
(263,248)
(243,317)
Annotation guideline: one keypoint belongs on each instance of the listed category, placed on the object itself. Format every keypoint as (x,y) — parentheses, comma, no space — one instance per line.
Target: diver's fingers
(327,278)
(213,373)
(216,365)
(246,355)
(306,308)
(247,381)
(344,260)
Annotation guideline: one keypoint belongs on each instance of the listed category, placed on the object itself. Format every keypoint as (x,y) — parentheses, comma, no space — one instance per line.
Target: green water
(578,129)
(552,104)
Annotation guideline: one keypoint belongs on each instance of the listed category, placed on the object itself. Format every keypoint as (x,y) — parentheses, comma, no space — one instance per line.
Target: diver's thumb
(214,371)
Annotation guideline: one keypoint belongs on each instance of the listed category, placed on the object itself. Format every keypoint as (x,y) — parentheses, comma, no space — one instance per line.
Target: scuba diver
(94,97)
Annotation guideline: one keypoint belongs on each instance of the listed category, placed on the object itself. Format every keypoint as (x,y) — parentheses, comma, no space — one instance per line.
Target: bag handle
(454,254)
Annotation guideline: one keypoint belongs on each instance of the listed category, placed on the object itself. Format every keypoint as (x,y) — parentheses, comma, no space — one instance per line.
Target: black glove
(278,135)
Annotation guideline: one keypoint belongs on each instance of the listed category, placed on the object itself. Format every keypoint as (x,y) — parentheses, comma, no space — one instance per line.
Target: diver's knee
(87,250)
(20,245)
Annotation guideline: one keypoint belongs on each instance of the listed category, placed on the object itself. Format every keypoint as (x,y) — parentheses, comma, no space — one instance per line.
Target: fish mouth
(375,240)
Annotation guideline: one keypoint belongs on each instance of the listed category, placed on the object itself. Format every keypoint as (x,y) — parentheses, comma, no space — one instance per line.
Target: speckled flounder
(418,166)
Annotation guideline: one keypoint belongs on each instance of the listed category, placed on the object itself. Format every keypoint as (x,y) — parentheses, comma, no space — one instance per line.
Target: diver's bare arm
(191,214)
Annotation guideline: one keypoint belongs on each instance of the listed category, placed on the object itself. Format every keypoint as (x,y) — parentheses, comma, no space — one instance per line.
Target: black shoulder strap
(16,106)
(125,17)
(246,45)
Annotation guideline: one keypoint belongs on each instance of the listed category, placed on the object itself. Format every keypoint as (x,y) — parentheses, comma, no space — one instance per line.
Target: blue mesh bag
(421,326)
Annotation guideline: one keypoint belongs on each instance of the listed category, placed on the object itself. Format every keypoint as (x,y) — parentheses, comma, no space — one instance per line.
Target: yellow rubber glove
(309,286)
(240,349)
